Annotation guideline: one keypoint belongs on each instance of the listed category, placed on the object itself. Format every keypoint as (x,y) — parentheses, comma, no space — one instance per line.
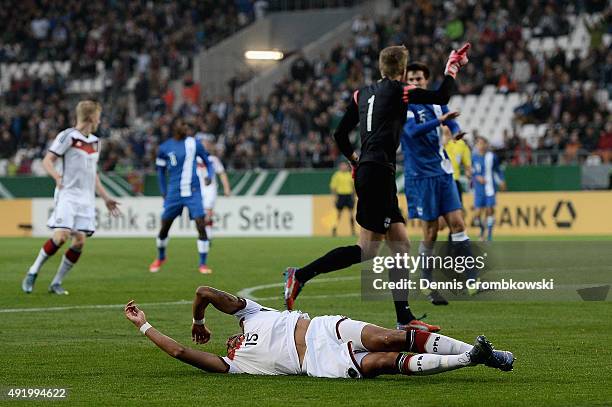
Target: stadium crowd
(290,128)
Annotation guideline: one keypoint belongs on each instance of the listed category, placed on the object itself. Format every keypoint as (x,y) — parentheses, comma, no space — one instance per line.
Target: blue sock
(161,248)
(490,223)
(203,246)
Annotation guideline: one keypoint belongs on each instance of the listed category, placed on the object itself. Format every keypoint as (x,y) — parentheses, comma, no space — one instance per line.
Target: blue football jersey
(421,141)
(486,166)
(178,158)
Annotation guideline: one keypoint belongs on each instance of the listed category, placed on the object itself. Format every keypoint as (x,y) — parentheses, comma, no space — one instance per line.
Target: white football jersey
(203,171)
(79,155)
(267,346)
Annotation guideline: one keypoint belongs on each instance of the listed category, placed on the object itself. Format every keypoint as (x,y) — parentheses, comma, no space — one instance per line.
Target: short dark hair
(418,66)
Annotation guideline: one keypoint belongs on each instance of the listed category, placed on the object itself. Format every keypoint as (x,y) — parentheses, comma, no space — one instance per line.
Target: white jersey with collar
(79,154)
(267,346)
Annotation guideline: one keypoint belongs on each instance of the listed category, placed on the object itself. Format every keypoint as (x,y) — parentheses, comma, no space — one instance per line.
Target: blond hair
(392,61)
(85,110)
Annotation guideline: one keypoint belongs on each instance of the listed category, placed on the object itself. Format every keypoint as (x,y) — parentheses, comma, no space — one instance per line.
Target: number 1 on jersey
(370,109)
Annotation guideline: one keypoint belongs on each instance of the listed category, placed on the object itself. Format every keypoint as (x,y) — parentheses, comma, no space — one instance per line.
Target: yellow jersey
(459,154)
(342,183)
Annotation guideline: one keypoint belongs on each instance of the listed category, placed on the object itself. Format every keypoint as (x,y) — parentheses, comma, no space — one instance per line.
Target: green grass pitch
(563,348)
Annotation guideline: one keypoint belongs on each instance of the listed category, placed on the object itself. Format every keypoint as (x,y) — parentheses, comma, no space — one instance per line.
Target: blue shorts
(432,197)
(173,207)
(484,201)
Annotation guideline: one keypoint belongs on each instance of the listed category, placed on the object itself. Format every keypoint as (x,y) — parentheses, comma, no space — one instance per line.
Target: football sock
(490,224)
(427,364)
(428,342)
(48,250)
(337,259)
(461,246)
(203,246)
(400,297)
(68,260)
(161,247)
(424,251)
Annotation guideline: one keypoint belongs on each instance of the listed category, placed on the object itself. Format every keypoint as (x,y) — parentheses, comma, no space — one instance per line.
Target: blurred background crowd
(141,46)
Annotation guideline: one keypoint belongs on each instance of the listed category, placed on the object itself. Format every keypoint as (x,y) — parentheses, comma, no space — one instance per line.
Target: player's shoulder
(67,134)
(166,143)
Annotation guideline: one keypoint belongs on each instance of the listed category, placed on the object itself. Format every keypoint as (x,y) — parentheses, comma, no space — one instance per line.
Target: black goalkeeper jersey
(380,110)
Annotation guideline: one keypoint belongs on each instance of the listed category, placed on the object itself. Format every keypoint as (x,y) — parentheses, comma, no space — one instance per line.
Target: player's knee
(381,363)
(60,237)
(383,341)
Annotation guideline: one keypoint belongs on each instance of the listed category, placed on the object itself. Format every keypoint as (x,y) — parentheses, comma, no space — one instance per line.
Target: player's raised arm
(348,122)
(224,302)
(202,360)
(456,60)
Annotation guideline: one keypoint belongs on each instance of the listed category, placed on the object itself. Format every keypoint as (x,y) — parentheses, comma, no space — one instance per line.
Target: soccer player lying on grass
(290,343)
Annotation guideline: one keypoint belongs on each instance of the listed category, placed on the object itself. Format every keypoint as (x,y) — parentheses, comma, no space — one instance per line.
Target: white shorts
(209,196)
(334,348)
(69,214)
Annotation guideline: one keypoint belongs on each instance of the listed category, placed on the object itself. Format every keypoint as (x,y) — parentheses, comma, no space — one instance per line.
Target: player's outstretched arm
(202,360)
(430,97)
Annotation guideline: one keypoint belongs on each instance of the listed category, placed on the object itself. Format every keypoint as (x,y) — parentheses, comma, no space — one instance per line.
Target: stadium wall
(517,214)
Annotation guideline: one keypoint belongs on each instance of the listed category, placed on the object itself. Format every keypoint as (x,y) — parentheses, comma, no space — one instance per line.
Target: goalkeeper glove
(456,60)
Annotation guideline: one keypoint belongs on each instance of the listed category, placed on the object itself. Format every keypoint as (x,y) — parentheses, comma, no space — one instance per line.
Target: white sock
(40,260)
(443,345)
(203,246)
(490,220)
(426,364)
(161,243)
(460,236)
(63,269)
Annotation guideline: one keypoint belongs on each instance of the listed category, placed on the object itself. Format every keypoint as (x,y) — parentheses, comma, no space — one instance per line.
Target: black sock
(400,297)
(337,259)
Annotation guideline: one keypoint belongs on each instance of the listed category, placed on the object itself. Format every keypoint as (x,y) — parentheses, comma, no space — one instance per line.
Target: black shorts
(377,205)
(345,201)
(459,190)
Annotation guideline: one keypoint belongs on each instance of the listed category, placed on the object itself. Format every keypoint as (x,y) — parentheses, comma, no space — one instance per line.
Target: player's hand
(58,183)
(227,192)
(502,186)
(200,334)
(456,60)
(449,116)
(207,181)
(480,179)
(460,135)
(112,206)
(134,314)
